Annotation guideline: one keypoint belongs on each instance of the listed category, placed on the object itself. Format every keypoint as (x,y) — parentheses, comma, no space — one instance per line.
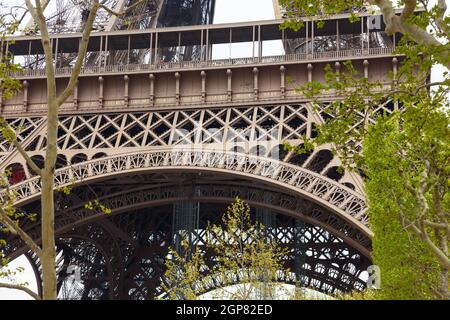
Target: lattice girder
(141,276)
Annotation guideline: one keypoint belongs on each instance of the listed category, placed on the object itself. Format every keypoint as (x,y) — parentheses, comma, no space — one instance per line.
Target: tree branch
(39,18)
(396,23)
(437,200)
(442,8)
(420,87)
(84,43)
(421,190)
(420,231)
(406,184)
(436,225)
(13,14)
(27,158)
(13,139)
(388,11)
(15,229)
(81,54)
(442,258)
(21,288)
(408,10)
(121,13)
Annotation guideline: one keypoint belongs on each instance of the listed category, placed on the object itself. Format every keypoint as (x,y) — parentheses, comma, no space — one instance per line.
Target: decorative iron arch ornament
(73,213)
(345,202)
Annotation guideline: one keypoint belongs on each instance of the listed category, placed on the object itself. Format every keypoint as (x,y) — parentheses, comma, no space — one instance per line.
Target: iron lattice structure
(166,137)
(122,256)
(110,145)
(67,16)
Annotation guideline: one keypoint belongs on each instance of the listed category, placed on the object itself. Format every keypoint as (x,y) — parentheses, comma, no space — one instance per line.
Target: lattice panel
(330,265)
(384,108)
(23,127)
(165,128)
(258,130)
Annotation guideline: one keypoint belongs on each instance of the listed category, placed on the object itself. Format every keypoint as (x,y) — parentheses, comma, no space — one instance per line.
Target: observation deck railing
(215,63)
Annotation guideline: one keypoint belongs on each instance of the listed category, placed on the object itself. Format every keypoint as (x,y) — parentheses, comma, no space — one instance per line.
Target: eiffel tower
(166,135)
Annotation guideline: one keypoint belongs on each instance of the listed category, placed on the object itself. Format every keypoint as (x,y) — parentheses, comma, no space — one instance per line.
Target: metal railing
(212,63)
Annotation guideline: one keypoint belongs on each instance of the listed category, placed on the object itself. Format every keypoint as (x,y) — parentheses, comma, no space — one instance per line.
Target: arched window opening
(349,185)
(61,161)
(99,155)
(237,149)
(278,152)
(258,150)
(299,159)
(320,160)
(39,160)
(335,173)
(16,173)
(78,158)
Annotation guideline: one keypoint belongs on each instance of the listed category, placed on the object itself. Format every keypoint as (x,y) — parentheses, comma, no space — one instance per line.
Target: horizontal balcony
(290,96)
(295,58)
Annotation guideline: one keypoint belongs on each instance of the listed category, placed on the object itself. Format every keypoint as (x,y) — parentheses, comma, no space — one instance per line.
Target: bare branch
(407,185)
(420,87)
(441,256)
(422,189)
(15,229)
(408,10)
(396,23)
(84,43)
(12,15)
(39,18)
(81,54)
(21,288)
(27,158)
(388,11)
(436,225)
(443,259)
(18,146)
(442,8)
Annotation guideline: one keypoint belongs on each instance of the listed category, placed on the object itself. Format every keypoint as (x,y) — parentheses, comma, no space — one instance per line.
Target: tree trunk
(48,251)
(444,283)
(48,238)
(48,206)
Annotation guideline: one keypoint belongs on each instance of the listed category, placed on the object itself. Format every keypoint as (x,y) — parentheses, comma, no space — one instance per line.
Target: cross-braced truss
(258,130)
(25,130)
(122,256)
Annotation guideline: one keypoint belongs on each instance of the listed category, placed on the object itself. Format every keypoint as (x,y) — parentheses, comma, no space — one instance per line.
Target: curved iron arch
(343,201)
(145,196)
(72,212)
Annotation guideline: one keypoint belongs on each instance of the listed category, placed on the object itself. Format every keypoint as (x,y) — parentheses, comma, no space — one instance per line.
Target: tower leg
(185,223)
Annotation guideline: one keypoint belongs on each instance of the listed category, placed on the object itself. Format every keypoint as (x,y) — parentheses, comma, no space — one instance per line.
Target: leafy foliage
(403,149)
(407,156)
(243,254)
(96,205)
(8,85)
